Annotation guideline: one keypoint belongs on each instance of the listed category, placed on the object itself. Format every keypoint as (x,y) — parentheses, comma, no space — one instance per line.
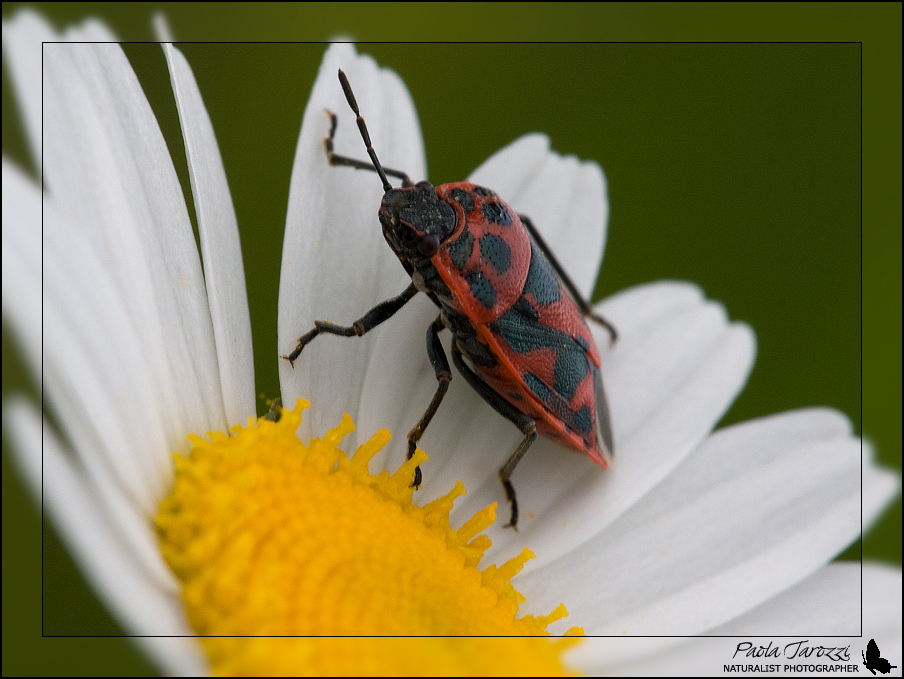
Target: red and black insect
(517,321)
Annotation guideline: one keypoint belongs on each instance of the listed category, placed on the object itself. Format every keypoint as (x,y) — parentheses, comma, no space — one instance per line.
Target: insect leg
(336,160)
(368,321)
(524,422)
(582,303)
(443,375)
(505,472)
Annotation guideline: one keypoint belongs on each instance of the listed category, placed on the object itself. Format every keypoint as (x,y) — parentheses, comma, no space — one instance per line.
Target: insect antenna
(365,135)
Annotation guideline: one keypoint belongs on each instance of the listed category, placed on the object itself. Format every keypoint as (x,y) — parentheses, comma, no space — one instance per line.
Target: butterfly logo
(873,661)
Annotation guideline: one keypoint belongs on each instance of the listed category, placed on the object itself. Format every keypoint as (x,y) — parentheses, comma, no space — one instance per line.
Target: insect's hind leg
(578,298)
(336,160)
(524,422)
(443,375)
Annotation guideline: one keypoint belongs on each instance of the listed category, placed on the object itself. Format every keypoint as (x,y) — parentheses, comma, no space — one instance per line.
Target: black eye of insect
(428,245)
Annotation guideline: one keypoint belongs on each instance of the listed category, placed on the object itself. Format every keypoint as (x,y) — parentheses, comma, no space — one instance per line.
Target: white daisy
(689,533)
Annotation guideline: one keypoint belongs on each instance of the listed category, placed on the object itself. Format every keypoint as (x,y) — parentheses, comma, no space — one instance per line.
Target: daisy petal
(124,299)
(127,344)
(780,496)
(332,217)
(564,197)
(114,570)
(224,272)
(824,601)
(23,36)
(108,170)
(126,483)
(831,594)
(91,361)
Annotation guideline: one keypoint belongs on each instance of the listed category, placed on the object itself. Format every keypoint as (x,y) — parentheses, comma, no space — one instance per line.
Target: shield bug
(517,321)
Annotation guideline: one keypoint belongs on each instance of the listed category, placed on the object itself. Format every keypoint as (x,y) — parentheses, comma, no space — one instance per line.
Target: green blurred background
(769,174)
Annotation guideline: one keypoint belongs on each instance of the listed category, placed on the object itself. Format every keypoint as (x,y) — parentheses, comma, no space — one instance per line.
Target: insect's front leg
(373,318)
(336,160)
(440,364)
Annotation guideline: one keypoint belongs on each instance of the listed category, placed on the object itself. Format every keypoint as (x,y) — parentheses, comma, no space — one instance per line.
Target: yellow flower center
(277,542)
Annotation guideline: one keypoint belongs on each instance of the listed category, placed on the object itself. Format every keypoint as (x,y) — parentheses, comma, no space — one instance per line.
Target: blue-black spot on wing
(525,308)
(579,421)
(542,281)
(481,288)
(465,199)
(496,213)
(494,249)
(523,333)
(571,369)
(485,192)
(461,249)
